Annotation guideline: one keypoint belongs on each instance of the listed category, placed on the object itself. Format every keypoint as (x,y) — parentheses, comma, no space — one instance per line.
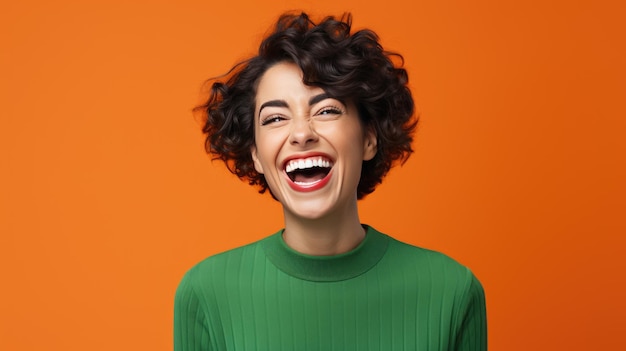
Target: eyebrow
(282,103)
(317,98)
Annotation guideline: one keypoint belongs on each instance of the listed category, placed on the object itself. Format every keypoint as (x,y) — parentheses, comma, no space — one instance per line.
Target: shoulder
(422,256)
(223,267)
(436,274)
(429,265)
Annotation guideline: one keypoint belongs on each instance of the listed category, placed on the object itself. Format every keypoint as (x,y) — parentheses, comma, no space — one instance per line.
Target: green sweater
(383,295)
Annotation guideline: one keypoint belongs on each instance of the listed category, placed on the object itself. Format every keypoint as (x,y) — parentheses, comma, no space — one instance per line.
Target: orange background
(107,197)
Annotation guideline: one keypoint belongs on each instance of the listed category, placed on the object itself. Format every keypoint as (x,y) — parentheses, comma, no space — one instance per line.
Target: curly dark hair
(352,67)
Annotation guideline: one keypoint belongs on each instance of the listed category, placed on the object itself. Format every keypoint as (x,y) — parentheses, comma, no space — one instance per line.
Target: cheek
(351,140)
(267,148)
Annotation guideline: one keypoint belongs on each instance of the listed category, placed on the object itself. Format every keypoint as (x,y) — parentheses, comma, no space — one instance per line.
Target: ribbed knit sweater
(383,295)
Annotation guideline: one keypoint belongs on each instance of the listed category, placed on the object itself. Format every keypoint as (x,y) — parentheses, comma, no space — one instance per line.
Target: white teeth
(310,162)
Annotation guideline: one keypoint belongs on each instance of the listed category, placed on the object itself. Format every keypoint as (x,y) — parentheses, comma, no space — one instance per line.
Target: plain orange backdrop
(107,197)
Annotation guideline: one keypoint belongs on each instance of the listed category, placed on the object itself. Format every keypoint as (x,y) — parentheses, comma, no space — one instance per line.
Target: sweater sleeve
(473,331)
(191,332)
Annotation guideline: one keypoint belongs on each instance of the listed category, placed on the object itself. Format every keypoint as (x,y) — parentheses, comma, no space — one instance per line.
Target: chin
(308,211)
(307,214)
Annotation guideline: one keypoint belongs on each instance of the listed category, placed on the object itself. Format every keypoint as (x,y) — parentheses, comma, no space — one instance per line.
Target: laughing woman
(318,117)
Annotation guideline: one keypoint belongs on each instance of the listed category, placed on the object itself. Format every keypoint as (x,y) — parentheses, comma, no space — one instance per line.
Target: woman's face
(309,146)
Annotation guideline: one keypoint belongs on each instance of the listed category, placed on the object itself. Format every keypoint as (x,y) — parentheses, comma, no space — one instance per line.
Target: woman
(318,117)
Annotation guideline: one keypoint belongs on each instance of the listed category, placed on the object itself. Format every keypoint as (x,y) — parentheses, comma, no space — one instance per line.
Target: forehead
(284,81)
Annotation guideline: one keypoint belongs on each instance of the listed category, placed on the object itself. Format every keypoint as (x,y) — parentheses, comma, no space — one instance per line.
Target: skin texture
(296,120)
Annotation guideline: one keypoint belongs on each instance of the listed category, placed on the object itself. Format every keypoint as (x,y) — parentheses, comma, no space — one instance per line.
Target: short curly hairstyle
(347,66)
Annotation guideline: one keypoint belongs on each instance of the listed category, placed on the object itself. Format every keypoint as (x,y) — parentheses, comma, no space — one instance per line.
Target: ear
(370,144)
(255,159)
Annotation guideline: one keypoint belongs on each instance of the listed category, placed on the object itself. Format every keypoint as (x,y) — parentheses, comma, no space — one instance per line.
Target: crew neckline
(327,268)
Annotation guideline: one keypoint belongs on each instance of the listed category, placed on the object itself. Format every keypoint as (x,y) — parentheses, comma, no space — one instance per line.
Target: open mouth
(310,170)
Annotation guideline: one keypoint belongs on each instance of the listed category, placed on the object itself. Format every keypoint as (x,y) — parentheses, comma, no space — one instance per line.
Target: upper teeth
(307,163)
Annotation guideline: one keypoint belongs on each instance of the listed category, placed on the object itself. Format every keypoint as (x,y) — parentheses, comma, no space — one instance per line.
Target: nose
(302,132)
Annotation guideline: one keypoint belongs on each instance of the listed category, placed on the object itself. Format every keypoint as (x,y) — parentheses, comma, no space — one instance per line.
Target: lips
(308,173)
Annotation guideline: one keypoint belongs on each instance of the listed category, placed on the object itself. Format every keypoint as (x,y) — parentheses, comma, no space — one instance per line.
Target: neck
(330,235)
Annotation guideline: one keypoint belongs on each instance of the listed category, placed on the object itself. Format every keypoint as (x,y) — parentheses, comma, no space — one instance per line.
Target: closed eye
(272,119)
(330,111)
